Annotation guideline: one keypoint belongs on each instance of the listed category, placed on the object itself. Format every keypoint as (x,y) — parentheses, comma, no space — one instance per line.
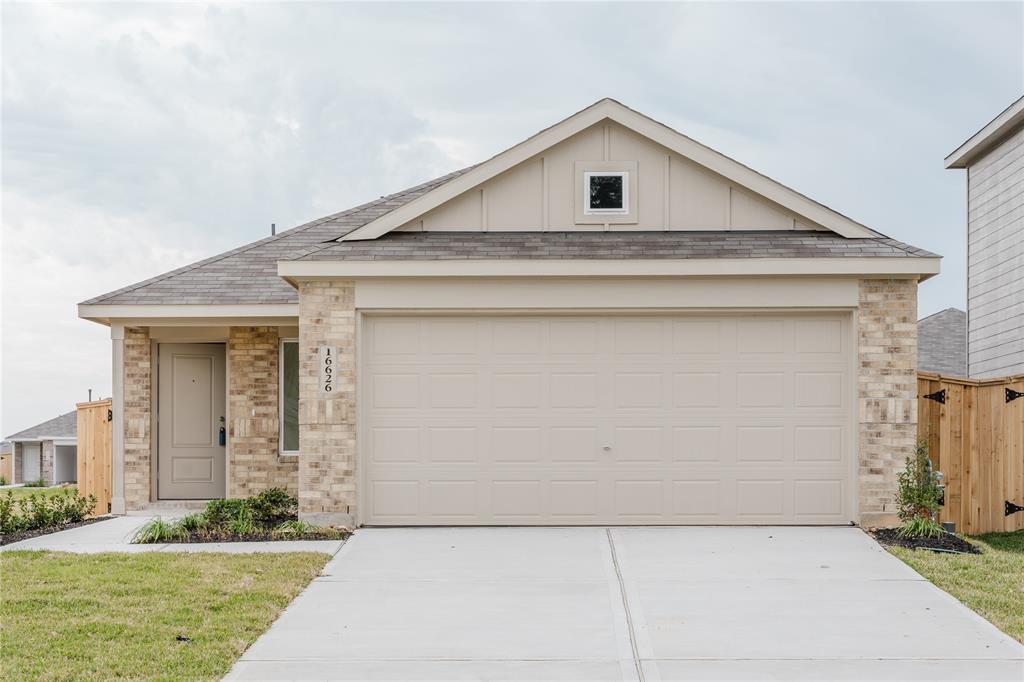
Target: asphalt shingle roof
(64,426)
(942,343)
(611,245)
(248,274)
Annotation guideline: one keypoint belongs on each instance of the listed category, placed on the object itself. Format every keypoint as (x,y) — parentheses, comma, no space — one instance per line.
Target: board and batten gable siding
(673,193)
(995,261)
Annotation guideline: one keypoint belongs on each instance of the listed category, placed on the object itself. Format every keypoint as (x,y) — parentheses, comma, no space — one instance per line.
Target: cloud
(139,137)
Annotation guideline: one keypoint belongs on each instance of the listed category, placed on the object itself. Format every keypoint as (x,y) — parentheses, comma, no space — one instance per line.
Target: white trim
(896,266)
(622,175)
(117,501)
(104,313)
(979,143)
(281,452)
(610,109)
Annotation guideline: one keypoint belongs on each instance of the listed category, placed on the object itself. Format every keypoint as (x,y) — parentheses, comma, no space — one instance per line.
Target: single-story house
(942,343)
(608,323)
(47,451)
(6,461)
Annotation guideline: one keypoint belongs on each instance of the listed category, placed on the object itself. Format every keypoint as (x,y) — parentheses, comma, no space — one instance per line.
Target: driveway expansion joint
(625,605)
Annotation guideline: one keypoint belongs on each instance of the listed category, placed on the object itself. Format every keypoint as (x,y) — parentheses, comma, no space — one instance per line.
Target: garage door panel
(580,420)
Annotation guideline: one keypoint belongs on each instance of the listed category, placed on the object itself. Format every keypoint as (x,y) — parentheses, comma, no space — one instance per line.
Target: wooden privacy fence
(94,452)
(975,432)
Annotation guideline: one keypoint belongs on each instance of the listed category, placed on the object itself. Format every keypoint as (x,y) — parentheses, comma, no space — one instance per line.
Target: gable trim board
(608,109)
(988,137)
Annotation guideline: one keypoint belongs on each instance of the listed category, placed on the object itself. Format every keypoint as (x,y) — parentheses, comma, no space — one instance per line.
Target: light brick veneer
(138,382)
(327,426)
(253,434)
(887,390)
(18,465)
(48,452)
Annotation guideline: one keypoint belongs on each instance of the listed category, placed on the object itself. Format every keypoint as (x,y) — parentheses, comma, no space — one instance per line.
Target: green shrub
(3,480)
(918,497)
(38,483)
(223,512)
(37,512)
(272,507)
(243,524)
(157,531)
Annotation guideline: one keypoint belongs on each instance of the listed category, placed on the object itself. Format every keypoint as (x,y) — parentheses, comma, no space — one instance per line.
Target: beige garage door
(695,419)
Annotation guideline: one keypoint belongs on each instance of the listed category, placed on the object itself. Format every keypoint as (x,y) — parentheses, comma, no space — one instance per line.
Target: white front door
(191,419)
(668,419)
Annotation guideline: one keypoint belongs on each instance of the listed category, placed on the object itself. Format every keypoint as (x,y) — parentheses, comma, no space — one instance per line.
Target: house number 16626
(327,355)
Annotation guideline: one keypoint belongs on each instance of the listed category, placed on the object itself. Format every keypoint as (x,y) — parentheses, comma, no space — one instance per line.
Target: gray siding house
(942,343)
(994,160)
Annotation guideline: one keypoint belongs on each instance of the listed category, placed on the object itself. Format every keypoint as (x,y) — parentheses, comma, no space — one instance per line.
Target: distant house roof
(942,343)
(995,131)
(64,426)
(6,447)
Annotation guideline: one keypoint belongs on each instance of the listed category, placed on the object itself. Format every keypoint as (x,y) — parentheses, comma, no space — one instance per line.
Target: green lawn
(45,492)
(991,583)
(102,616)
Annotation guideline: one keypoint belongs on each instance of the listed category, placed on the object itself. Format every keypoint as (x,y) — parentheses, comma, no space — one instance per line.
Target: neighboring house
(994,159)
(48,451)
(6,461)
(608,323)
(942,343)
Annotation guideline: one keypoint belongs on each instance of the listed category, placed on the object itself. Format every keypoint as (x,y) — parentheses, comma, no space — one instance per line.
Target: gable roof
(248,274)
(251,275)
(609,109)
(994,132)
(64,426)
(942,343)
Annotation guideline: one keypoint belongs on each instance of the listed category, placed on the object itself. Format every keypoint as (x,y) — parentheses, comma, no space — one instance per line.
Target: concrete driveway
(625,604)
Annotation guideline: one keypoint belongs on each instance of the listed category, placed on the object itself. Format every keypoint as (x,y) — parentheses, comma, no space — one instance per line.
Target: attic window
(606,192)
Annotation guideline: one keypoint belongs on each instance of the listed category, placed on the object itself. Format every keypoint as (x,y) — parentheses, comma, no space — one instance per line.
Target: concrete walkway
(115,534)
(625,604)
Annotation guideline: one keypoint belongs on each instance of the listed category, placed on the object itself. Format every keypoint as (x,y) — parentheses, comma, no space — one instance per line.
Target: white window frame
(587,210)
(280,399)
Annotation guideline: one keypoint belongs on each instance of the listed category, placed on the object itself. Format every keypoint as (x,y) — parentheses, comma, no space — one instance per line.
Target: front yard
(151,615)
(991,583)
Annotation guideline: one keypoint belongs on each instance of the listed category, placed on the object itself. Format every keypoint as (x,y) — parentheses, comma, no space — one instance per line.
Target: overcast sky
(137,138)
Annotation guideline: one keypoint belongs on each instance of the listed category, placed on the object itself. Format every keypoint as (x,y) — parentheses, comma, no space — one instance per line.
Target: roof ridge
(267,240)
(944,310)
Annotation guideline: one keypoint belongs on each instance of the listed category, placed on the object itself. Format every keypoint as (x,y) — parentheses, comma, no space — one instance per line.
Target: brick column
(887,391)
(47,451)
(327,424)
(254,421)
(18,465)
(138,383)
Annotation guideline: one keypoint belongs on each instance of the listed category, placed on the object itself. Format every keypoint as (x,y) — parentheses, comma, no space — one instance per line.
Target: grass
(991,583)
(44,492)
(104,616)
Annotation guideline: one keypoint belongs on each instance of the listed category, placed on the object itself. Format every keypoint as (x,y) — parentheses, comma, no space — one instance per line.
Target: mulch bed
(264,536)
(26,534)
(947,542)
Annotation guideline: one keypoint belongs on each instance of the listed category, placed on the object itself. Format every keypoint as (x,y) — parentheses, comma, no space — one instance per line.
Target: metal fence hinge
(1011,508)
(938,396)
(1012,395)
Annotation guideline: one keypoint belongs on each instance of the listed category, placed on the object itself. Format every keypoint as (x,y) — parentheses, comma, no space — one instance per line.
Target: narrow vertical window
(289,370)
